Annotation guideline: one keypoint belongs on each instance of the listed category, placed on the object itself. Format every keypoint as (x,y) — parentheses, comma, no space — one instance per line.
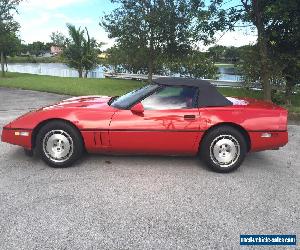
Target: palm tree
(90,54)
(80,52)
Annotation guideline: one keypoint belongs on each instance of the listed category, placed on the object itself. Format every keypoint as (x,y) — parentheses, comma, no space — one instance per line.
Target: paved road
(110,202)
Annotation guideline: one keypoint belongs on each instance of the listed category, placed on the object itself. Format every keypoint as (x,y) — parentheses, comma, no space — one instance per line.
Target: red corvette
(171,116)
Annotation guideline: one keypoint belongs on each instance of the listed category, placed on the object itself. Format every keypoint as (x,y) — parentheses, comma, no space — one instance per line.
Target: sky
(39,18)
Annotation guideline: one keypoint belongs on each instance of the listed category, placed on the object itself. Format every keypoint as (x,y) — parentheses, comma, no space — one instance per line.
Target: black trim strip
(146,130)
(174,130)
(151,130)
(25,129)
(266,131)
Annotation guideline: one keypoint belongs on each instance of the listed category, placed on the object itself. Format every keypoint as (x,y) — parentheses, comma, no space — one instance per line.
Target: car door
(168,125)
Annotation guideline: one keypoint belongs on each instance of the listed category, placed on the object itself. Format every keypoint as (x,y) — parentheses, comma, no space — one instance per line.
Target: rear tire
(59,144)
(223,149)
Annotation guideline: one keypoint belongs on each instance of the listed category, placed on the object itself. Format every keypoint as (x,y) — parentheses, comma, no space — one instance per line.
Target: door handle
(189,117)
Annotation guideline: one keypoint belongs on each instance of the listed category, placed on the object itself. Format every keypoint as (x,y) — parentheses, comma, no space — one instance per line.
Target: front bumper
(260,142)
(20,137)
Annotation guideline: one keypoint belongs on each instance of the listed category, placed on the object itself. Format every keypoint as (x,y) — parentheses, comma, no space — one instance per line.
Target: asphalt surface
(141,202)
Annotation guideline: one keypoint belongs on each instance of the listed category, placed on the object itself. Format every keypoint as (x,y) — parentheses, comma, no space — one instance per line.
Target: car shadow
(252,160)
(141,160)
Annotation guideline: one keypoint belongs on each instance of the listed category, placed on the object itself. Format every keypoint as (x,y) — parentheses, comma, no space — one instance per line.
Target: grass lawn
(69,86)
(294,110)
(110,87)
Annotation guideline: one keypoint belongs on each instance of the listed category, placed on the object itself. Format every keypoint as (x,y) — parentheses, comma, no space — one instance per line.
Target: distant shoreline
(57,59)
(33,59)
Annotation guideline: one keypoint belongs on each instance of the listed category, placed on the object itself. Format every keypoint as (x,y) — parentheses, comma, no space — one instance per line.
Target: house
(103,55)
(56,50)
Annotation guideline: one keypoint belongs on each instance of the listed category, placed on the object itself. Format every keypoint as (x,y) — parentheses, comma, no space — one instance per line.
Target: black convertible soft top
(208,96)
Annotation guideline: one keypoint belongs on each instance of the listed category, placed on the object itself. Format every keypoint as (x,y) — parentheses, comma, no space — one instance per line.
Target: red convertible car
(171,116)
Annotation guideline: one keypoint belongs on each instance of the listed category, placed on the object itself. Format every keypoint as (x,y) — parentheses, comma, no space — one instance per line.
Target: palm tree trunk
(151,58)
(80,73)
(6,64)
(150,69)
(2,64)
(288,91)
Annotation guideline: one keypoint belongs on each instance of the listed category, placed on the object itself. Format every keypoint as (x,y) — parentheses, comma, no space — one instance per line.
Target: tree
(24,48)
(255,13)
(37,48)
(129,60)
(81,53)
(284,42)
(251,74)
(58,39)
(277,25)
(231,54)
(220,53)
(161,29)
(217,53)
(8,28)
(10,44)
(91,52)
(196,65)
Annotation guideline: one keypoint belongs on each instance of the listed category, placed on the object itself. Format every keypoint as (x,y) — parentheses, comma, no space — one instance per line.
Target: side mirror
(137,109)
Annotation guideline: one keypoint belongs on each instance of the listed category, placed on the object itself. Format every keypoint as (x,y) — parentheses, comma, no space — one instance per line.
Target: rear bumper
(20,137)
(260,142)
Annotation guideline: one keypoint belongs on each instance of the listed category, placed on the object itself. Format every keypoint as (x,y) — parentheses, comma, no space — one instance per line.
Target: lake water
(51,69)
(59,69)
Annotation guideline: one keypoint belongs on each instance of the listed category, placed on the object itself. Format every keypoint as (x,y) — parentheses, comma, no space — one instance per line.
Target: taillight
(283,120)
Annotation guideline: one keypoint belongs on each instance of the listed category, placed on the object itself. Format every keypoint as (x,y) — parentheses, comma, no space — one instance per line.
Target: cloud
(237,38)
(39,18)
(47,4)
(38,27)
(78,21)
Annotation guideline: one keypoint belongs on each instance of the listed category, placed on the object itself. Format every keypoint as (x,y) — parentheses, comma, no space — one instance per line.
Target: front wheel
(59,144)
(223,149)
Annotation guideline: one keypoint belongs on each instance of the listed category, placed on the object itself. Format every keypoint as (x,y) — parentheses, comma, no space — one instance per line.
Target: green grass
(69,86)
(294,109)
(110,87)
(240,92)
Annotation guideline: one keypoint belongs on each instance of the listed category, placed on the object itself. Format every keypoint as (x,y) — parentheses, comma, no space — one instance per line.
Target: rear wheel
(223,149)
(59,144)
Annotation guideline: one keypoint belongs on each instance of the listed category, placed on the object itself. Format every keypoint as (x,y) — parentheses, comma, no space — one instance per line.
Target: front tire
(223,149)
(59,144)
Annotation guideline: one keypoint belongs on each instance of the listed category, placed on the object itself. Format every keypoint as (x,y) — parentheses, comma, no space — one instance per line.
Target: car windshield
(125,101)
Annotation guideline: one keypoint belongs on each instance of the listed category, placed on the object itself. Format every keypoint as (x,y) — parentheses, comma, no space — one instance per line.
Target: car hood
(72,109)
(95,102)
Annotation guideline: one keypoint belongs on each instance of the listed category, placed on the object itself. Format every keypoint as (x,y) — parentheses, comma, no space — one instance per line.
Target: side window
(171,98)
